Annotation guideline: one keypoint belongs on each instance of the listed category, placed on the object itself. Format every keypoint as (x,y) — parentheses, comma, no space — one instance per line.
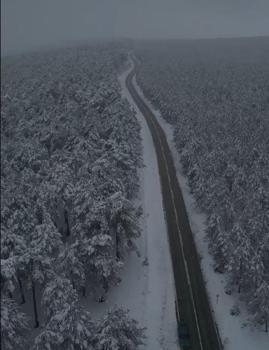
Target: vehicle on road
(183,333)
(183,336)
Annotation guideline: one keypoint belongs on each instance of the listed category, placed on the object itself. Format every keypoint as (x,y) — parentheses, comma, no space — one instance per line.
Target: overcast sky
(32,23)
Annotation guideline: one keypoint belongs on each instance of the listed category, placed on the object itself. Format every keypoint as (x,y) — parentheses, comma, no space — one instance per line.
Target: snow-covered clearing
(147,287)
(236,331)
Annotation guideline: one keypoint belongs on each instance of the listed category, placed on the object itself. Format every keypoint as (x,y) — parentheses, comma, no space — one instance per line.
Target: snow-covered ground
(147,286)
(236,331)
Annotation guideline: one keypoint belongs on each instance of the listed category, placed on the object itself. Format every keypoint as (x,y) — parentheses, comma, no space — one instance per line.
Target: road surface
(193,304)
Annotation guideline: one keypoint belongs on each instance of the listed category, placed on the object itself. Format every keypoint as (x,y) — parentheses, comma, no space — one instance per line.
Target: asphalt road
(193,304)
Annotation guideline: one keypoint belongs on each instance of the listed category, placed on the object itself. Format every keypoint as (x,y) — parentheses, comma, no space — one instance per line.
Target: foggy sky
(36,23)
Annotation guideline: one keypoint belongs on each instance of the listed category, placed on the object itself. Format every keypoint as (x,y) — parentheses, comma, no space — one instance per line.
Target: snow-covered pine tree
(8,275)
(238,262)
(118,331)
(58,294)
(70,328)
(101,265)
(122,222)
(14,325)
(71,267)
(44,246)
(259,305)
(17,223)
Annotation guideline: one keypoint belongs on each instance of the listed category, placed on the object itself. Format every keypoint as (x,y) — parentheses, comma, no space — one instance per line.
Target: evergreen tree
(45,245)
(259,305)
(117,331)
(70,328)
(69,265)
(57,295)
(14,325)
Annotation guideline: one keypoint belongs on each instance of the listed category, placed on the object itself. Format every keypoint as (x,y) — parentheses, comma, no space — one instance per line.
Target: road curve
(192,300)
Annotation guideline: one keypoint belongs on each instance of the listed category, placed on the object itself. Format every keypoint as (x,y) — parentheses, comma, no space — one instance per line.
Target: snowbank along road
(193,304)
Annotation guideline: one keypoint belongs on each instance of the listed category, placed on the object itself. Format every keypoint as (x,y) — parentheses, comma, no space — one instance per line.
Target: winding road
(192,299)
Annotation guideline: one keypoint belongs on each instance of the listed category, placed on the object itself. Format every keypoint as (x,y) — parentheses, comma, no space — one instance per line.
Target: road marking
(180,237)
(155,123)
(177,220)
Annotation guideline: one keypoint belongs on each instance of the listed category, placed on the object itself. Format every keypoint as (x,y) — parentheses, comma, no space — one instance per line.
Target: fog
(31,24)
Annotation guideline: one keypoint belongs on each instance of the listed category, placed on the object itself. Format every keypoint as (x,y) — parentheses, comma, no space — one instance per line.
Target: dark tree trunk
(21,290)
(105,285)
(84,291)
(118,255)
(10,294)
(239,279)
(39,215)
(266,325)
(35,305)
(239,285)
(117,239)
(67,223)
(73,284)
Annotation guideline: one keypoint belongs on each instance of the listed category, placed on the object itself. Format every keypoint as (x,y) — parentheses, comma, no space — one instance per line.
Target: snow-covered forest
(71,150)
(215,94)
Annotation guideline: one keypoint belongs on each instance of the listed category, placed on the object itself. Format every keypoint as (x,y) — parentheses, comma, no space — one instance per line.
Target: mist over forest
(33,24)
(134,174)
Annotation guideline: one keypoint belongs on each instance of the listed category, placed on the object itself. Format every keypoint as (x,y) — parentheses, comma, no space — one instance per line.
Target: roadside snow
(150,286)
(147,287)
(236,331)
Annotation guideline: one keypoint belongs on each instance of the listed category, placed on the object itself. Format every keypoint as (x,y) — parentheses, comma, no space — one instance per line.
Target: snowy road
(192,298)
(147,286)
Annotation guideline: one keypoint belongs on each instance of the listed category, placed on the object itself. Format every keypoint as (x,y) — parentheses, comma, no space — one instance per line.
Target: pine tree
(102,269)
(122,223)
(69,328)
(118,331)
(45,245)
(57,295)
(69,265)
(14,325)
(8,275)
(13,246)
(259,305)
